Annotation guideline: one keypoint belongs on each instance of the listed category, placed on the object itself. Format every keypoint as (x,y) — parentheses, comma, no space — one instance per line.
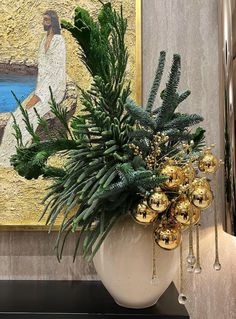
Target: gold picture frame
(21,193)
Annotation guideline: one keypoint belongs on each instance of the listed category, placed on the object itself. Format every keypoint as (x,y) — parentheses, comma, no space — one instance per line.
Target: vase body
(124,263)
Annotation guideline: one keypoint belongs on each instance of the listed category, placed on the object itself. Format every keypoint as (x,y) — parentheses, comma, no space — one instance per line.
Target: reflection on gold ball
(158,201)
(175,177)
(201,182)
(184,212)
(201,197)
(208,163)
(189,173)
(168,236)
(143,214)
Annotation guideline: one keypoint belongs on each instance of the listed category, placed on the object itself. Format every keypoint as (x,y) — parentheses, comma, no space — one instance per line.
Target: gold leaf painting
(28,63)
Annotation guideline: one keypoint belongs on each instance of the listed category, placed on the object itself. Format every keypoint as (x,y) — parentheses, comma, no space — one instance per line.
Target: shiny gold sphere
(185,212)
(208,163)
(201,197)
(189,173)
(201,182)
(158,201)
(168,236)
(143,214)
(175,177)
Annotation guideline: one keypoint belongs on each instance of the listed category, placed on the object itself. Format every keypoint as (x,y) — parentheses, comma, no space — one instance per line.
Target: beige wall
(190,27)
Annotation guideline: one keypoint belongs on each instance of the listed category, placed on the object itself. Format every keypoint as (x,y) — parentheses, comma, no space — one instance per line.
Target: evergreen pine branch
(60,113)
(198,138)
(156,82)
(42,123)
(170,98)
(17,134)
(31,162)
(183,96)
(26,120)
(140,115)
(183,121)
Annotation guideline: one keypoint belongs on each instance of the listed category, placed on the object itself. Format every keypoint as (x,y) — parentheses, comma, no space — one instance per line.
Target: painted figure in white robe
(51,72)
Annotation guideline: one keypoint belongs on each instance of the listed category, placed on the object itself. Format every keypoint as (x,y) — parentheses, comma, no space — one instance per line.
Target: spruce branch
(170,96)
(156,82)
(18,133)
(26,120)
(60,113)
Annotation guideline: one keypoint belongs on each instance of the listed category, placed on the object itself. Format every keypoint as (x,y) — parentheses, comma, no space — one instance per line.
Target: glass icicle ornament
(197,268)
(182,299)
(154,280)
(191,259)
(217,265)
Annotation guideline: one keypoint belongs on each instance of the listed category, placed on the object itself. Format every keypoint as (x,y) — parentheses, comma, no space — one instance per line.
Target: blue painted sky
(21,85)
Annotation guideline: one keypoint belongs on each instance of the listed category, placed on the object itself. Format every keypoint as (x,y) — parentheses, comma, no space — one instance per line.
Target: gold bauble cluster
(176,204)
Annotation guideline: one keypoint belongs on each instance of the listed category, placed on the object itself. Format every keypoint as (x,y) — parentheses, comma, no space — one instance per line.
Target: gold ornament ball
(175,177)
(168,236)
(201,182)
(189,173)
(208,163)
(158,201)
(143,214)
(201,197)
(185,212)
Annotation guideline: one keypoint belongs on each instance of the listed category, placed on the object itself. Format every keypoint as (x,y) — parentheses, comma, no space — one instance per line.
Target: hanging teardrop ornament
(182,299)
(191,259)
(154,280)
(198,268)
(217,265)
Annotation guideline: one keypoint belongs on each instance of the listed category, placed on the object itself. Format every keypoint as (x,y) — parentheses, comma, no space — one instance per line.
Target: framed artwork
(29,64)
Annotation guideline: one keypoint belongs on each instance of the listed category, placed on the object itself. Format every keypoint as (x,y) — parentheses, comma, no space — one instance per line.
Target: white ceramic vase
(124,264)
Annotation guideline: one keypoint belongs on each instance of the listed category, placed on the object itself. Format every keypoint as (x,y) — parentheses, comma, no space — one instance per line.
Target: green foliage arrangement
(103,178)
